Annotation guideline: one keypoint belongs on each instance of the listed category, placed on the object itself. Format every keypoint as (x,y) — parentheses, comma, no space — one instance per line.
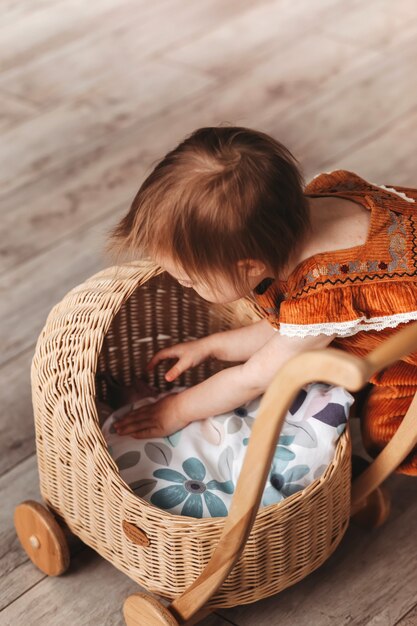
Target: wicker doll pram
(112,324)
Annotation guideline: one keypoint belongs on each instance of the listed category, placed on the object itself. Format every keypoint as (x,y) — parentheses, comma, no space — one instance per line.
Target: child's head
(220,212)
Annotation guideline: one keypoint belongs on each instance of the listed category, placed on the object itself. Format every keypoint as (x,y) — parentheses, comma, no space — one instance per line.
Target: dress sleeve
(348,309)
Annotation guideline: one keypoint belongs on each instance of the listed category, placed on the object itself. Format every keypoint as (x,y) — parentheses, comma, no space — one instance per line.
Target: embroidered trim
(396,244)
(346,329)
(399,193)
(397,249)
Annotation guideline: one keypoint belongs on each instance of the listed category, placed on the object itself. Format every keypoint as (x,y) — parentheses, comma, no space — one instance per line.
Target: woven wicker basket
(113,323)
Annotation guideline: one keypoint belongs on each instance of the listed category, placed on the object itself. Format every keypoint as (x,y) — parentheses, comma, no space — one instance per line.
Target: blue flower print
(280,451)
(191,488)
(282,456)
(174,438)
(284,485)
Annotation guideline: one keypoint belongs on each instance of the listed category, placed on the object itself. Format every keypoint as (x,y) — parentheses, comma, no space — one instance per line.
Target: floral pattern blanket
(194,471)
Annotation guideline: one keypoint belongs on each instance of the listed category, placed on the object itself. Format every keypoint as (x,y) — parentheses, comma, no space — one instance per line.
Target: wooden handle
(332,366)
(329,365)
(392,349)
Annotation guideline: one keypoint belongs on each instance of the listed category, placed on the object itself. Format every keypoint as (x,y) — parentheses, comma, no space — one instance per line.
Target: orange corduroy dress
(364,294)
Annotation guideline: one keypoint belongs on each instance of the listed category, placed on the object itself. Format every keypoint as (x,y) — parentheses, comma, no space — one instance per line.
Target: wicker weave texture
(114,322)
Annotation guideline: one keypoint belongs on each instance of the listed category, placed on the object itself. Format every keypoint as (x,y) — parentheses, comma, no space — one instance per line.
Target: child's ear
(254,267)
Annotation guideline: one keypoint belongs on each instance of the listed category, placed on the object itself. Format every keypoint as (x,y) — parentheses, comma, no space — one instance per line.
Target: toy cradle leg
(375,510)
(42,538)
(377,506)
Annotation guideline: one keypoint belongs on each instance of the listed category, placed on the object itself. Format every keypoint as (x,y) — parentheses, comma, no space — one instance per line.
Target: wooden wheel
(140,609)
(42,537)
(375,510)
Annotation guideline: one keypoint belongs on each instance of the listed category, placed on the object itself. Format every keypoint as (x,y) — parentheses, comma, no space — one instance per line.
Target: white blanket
(195,470)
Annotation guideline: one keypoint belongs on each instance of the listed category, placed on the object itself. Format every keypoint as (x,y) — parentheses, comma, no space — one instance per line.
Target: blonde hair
(224,194)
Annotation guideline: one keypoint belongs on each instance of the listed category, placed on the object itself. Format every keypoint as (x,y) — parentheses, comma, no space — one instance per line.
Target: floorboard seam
(400,621)
(10,469)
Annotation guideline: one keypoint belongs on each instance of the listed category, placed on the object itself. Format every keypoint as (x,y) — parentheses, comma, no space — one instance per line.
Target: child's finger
(174,372)
(136,427)
(146,433)
(155,359)
(134,416)
(151,363)
(165,353)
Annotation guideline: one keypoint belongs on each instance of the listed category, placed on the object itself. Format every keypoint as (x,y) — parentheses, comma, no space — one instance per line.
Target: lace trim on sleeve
(399,193)
(346,329)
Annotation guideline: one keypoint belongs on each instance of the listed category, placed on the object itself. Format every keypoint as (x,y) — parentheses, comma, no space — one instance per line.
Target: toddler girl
(227,214)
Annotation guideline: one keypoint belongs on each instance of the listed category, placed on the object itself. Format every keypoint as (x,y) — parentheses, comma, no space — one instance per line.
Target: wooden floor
(91,94)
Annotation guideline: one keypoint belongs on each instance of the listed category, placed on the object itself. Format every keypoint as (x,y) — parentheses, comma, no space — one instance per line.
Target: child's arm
(233,386)
(224,391)
(236,345)
(239,344)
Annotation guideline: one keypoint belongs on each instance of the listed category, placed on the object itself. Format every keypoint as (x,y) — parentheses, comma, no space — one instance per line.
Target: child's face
(223,293)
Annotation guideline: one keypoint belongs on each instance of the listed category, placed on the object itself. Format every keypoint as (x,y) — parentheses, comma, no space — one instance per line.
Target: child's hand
(157,419)
(189,353)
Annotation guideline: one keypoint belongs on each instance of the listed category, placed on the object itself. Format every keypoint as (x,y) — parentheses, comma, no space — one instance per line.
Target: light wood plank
(73,260)
(17,432)
(13,111)
(399,168)
(375,24)
(90,65)
(410,619)
(92,594)
(72,197)
(321,128)
(38,29)
(48,140)
(91,183)
(14,11)
(67,126)
(306,67)
(122,92)
(17,574)
(95,64)
(286,32)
